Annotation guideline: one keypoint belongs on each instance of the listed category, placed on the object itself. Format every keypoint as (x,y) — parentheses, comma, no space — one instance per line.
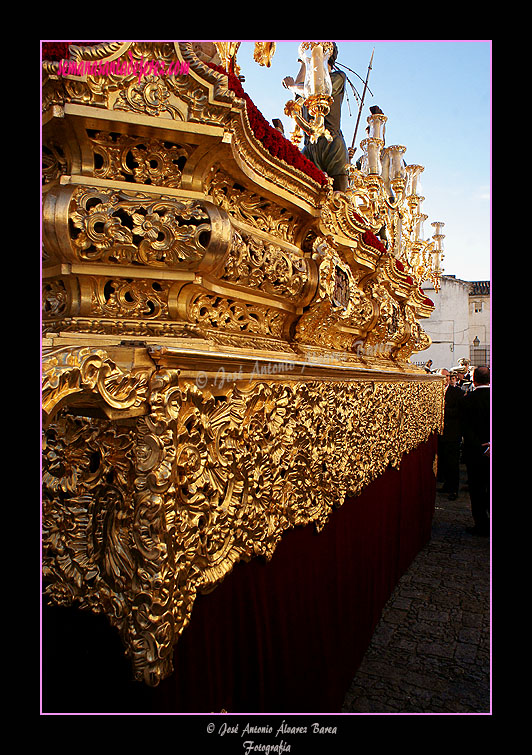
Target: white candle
(373,149)
(419,227)
(397,152)
(438,236)
(385,169)
(376,125)
(413,172)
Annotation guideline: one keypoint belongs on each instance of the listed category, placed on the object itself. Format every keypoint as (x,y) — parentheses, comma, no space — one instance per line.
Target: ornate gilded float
(226,341)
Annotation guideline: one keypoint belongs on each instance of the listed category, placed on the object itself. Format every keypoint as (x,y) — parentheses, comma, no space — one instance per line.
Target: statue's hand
(288,82)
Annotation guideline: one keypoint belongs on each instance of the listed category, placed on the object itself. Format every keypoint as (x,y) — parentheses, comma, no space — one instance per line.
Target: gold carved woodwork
(93,224)
(226,353)
(252,209)
(140,515)
(90,376)
(341,312)
(268,268)
(145,161)
(227,52)
(264,52)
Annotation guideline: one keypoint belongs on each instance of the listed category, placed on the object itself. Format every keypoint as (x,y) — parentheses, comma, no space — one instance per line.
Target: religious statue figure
(329,156)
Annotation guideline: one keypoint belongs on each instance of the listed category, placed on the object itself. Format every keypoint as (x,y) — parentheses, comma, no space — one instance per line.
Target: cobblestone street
(430,652)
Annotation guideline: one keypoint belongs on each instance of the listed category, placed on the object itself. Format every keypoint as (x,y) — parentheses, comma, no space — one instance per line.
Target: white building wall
(479,323)
(448,325)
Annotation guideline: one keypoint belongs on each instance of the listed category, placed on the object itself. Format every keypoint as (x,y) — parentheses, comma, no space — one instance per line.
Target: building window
(479,355)
(477,306)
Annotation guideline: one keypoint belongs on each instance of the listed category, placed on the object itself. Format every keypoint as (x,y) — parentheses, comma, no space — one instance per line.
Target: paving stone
(430,652)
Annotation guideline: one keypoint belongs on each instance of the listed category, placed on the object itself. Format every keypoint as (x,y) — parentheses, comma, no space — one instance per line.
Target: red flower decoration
(59,50)
(370,239)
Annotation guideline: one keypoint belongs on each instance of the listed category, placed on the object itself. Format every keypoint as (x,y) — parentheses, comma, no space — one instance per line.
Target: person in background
(464,373)
(476,434)
(428,366)
(449,441)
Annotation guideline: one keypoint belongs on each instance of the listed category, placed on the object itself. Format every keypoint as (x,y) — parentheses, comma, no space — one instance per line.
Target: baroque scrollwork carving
(340,311)
(169,226)
(267,267)
(126,298)
(53,162)
(55,299)
(217,478)
(339,217)
(417,339)
(150,96)
(121,227)
(106,223)
(233,315)
(147,161)
(91,374)
(249,207)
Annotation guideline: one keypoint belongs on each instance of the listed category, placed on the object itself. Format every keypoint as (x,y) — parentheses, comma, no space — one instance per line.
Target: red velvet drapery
(282,636)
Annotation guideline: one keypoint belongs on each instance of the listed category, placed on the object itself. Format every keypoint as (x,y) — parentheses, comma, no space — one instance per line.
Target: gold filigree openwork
(133,228)
(138,160)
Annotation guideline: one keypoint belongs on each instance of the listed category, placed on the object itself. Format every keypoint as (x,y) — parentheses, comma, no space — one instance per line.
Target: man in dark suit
(450,439)
(476,434)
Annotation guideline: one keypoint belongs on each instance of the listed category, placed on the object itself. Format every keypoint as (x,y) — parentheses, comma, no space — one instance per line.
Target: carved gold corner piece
(88,377)
(227,52)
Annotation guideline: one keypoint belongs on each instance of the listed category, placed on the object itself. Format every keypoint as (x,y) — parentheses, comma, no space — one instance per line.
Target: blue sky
(437,97)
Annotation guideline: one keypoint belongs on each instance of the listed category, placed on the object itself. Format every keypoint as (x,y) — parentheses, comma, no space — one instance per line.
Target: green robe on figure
(331,156)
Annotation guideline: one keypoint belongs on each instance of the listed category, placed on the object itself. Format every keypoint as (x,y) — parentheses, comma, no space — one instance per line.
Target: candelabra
(438,245)
(317,93)
(386,190)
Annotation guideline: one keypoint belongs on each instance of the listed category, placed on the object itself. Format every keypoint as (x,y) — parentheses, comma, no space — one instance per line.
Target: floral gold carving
(145,161)
(250,208)
(138,520)
(150,96)
(267,267)
(124,227)
(340,312)
(216,311)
